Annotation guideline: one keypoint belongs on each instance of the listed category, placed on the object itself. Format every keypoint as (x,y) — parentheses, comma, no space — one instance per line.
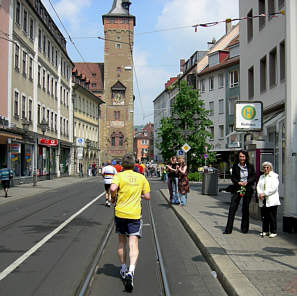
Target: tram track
(86,284)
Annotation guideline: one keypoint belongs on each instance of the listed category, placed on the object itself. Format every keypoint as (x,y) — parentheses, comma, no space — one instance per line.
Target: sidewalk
(28,190)
(246,264)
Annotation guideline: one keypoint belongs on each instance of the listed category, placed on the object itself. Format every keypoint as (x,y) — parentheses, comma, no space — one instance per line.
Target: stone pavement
(246,264)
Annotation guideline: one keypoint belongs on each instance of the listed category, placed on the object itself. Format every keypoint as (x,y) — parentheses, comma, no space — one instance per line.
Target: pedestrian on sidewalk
(173,180)
(267,190)
(108,173)
(243,178)
(5,176)
(183,182)
(129,186)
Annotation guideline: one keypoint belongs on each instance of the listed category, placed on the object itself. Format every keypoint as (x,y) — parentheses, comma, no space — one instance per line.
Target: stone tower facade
(117,112)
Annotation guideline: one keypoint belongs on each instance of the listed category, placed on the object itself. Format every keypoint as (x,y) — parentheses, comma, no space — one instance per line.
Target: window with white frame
(143,142)
(221,131)
(39,39)
(30,110)
(231,105)
(233,78)
(25,21)
(24,100)
(211,130)
(24,63)
(31,29)
(38,114)
(31,68)
(211,108)
(211,83)
(16,103)
(43,79)
(221,80)
(18,13)
(221,106)
(43,113)
(39,76)
(17,57)
(202,85)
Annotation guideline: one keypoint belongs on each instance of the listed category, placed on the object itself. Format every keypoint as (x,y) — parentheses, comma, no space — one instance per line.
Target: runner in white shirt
(108,172)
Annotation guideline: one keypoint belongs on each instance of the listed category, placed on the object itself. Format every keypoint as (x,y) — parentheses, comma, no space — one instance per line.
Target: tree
(188,125)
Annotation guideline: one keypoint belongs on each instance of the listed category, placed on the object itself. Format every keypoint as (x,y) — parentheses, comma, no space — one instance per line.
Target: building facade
(39,94)
(263,78)
(86,119)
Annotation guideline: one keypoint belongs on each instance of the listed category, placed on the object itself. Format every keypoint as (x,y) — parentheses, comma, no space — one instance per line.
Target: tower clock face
(118,99)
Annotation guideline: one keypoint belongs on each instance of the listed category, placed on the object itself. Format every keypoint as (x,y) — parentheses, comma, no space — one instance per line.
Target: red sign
(48,142)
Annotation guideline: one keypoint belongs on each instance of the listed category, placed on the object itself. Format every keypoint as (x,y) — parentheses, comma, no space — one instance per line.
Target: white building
(264,72)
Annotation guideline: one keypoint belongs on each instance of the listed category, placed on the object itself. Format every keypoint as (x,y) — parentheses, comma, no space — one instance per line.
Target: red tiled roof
(93,68)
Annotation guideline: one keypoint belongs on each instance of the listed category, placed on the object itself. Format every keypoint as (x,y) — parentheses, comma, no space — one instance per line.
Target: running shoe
(129,282)
(107,204)
(123,273)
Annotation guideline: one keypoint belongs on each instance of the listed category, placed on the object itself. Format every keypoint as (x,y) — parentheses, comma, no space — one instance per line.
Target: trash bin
(210,182)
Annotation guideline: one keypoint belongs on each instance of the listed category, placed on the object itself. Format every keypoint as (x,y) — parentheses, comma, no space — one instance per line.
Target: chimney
(211,43)
(182,62)
(228,27)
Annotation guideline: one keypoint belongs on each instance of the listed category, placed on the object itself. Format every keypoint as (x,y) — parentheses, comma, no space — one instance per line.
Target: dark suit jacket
(235,178)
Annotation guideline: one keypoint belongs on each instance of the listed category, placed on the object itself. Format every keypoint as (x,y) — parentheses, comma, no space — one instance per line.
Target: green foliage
(172,132)
(196,176)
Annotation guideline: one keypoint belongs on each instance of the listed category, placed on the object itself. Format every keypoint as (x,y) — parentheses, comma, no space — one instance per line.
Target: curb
(230,276)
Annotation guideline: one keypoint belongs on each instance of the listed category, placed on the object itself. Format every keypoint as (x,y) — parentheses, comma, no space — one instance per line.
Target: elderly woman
(267,190)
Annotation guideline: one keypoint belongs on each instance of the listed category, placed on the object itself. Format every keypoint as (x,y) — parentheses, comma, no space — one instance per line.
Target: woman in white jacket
(267,190)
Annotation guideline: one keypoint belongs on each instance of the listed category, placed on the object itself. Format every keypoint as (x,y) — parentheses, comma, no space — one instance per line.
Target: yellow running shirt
(131,186)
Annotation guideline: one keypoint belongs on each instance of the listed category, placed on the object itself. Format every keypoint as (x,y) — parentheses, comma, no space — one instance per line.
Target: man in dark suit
(243,178)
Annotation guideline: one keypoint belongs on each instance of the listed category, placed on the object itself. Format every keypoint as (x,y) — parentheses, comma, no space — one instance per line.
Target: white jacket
(268,184)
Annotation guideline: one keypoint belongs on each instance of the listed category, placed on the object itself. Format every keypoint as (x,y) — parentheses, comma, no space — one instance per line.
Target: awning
(10,135)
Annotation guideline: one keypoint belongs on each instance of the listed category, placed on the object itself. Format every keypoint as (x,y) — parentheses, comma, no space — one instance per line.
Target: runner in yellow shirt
(129,187)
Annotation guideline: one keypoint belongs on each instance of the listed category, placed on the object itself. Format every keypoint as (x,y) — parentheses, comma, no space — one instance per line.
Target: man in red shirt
(118,167)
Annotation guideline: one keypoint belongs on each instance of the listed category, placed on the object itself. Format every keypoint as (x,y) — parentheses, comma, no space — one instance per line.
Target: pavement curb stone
(230,276)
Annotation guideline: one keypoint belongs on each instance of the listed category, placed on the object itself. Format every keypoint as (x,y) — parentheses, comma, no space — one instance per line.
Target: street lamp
(44,127)
(26,124)
(88,143)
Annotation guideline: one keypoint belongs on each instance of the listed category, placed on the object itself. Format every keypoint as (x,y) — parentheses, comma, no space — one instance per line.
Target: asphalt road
(57,267)
(59,263)
(187,271)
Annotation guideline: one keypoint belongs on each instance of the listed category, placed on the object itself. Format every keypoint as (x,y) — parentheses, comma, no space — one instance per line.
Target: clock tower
(117,112)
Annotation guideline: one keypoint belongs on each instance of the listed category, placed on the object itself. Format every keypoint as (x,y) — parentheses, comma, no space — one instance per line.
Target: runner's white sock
(132,268)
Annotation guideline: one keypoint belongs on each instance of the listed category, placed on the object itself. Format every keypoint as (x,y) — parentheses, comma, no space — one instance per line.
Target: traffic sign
(80,141)
(180,152)
(205,156)
(186,148)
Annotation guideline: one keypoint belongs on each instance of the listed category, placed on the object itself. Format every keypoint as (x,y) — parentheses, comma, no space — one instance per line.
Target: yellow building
(86,124)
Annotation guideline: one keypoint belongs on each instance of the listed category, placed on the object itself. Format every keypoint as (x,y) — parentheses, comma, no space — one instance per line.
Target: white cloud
(71,12)
(189,12)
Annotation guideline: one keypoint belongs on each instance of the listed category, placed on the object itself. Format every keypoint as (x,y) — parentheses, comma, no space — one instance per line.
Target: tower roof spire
(120,8)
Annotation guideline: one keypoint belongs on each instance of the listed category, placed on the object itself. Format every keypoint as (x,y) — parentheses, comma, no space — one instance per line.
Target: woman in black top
(243,178)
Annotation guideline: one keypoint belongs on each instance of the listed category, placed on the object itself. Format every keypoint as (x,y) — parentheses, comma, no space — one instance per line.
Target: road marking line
(20,260)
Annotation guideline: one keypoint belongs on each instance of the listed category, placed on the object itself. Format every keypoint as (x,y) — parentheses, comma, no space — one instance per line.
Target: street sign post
(186,147)
(180,153)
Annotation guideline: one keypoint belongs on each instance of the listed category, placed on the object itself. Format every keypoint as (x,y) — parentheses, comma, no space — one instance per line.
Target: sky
(163,36)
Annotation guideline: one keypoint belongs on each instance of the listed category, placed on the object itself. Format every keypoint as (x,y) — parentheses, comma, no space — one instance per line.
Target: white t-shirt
(108,172)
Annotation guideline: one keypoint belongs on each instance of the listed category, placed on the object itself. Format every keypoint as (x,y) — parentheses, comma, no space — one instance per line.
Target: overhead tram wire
(136,79)
(70,39)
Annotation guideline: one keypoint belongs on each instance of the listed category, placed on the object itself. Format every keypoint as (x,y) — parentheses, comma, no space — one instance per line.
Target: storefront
(65,157)
(46,158)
